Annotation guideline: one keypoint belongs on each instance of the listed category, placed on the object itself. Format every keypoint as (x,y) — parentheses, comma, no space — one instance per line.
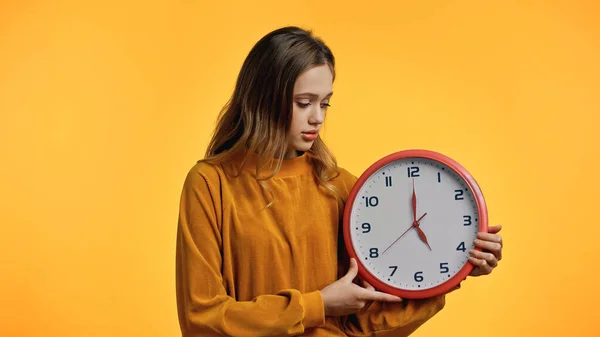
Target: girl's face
(312,92)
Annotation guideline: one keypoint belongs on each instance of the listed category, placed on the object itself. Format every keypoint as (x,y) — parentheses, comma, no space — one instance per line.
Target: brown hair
(258,115)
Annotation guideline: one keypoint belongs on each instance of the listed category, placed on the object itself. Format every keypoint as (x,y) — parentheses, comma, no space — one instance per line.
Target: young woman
(259,251)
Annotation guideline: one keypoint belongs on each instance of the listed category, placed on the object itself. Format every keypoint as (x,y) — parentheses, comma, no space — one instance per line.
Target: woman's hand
(344,297)
(486,260)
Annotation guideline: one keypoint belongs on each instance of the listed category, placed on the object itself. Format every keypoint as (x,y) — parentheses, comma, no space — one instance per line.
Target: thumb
(352,271)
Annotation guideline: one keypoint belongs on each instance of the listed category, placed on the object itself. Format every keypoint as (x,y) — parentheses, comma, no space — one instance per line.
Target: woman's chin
(305,146)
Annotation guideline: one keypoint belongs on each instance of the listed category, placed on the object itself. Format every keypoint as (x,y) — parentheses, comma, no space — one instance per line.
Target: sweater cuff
(314,309)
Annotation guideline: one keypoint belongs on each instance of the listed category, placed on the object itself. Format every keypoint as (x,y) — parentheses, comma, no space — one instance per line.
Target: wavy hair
(258,115)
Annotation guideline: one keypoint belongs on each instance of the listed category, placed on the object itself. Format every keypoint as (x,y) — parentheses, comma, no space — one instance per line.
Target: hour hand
(414,224)
(423,237)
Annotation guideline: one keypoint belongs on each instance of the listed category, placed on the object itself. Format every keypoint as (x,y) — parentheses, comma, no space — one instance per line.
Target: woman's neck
(292,154)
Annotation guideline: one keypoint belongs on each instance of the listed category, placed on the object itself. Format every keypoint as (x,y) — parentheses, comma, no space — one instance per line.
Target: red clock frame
(347,226)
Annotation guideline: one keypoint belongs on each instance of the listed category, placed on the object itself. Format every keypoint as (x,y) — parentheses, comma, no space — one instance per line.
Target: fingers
(491,243)
(489,258)
(483,268)
(373,295)
(352,271)
(494,229)
(367,285)
(368,292)
(489,237)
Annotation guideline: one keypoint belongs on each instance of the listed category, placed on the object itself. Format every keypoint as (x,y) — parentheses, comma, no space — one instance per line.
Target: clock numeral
(374,253)
(419,276)
(413,171)
(394,268)
(439,177)
(388,181)
(467,220)
(371,201)
(461,247)
(459,194)
(444,268)
(366,227)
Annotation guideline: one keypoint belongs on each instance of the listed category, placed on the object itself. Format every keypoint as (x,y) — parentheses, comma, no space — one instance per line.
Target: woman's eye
(325,105)
(303,105)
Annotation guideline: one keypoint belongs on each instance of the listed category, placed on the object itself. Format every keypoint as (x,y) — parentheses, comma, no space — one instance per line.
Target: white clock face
(382,212)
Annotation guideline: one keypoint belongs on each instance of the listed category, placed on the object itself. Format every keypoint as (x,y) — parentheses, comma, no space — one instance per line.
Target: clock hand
(414,224)
(422,236)
(414,203)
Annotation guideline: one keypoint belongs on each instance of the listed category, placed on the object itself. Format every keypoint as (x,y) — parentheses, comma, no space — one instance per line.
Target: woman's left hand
(491,245)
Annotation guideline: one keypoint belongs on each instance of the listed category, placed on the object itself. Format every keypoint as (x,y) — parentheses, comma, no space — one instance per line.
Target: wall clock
(410,220)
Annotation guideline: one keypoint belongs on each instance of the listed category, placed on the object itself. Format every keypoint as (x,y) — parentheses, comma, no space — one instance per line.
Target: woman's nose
(317,116)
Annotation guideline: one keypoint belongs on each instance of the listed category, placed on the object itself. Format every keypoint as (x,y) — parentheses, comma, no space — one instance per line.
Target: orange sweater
(246,270)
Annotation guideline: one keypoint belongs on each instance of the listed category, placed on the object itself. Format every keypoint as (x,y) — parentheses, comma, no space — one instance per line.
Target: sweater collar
(299,165)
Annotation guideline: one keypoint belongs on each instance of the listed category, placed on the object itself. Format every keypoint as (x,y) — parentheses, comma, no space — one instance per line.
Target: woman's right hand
(344,297)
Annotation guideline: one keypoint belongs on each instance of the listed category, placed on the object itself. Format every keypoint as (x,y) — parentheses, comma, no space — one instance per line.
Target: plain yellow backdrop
(105,106)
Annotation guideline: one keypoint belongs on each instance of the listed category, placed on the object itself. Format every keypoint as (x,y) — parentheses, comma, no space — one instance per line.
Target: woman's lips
(310,135)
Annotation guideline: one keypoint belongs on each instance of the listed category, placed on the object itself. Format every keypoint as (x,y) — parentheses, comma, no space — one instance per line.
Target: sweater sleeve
(204,306)
(392,319)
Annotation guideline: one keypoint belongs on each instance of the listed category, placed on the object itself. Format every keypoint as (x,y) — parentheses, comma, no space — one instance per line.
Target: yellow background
(106,105)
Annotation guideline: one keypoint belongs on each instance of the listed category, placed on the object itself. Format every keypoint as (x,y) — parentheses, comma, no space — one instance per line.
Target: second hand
(414,224)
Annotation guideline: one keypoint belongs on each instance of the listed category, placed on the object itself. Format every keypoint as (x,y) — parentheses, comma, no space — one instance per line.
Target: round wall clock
(410,221)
